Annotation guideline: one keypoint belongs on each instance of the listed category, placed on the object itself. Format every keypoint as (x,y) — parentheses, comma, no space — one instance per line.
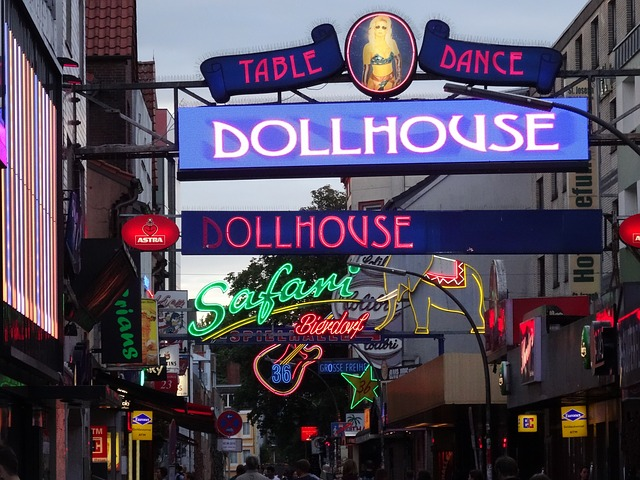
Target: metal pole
(474,329)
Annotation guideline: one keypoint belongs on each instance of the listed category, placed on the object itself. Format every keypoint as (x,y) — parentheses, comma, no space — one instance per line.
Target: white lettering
(389,128)
(532,126)
(481,135)
(305,140)
(287,149)
(437,145)
(336,139)
(218,135)
(518,139)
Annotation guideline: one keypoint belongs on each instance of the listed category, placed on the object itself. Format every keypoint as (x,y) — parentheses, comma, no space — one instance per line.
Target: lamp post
(537,104)
(474,329)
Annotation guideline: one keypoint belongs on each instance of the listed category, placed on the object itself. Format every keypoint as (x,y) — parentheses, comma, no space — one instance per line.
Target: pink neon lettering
(279,67)
(245,64)
(399,222)
(262,70)
(279,243)
(387,236)
(308,56)
(293,68)
(205,233)
(248,237)
(364,239)
(259,234)
(480,61)
(299,226)
(321,236)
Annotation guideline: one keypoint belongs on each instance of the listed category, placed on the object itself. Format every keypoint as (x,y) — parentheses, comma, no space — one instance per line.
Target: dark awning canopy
(192,416)
(94,394)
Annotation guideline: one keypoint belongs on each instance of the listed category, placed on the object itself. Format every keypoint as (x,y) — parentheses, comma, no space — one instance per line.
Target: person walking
(303,470)
(252,464)
(240,469)
(349,470)
(506,468)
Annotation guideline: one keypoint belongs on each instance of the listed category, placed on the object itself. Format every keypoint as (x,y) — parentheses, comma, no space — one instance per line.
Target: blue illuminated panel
(378,138)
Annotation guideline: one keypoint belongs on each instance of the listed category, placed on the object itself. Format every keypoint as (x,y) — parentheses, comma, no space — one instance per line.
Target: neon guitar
(288,370)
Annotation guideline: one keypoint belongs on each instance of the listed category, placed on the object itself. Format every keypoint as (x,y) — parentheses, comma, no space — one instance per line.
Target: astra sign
(364,139)
(477,232)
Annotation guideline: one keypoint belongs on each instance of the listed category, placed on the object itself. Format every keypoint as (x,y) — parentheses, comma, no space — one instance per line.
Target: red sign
(308,433)
(99,444)
(229,423)
(170,385)
(150,232)
(630,231)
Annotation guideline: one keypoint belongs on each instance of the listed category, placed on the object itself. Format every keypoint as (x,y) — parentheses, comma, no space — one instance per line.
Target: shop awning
(192,416)
(94,394)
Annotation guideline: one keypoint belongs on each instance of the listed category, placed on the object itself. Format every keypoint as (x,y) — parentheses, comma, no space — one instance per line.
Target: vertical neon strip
(28,200)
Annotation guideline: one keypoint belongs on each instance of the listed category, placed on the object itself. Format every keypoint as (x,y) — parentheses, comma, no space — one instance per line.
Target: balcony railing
(627,48)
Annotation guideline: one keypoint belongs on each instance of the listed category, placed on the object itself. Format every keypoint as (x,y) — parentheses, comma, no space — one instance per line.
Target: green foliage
(319,400)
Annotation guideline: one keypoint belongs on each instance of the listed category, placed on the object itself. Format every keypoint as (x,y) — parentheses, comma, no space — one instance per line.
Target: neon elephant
(423,297)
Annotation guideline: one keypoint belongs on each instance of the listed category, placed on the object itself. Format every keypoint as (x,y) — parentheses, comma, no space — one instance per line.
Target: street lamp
(474,329)
(538,104)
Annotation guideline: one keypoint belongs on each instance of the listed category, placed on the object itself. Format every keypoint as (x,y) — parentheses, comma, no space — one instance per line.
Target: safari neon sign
(322,139)
(266,301)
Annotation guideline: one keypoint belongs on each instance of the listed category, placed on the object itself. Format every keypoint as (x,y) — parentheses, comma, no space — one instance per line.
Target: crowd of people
(504,468)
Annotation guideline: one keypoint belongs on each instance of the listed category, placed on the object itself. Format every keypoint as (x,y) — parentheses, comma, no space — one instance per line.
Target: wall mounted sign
(307,433)
(381,54)
(122,328)
(478,232)
(286,334)
(275,71)
(531,350)
(150,232)
(264,302)
(629,231)
(346,365)
(99,452)
(142,425)
(365,386)
(628,341)
(399,138)
(574,421)
(486,64)
(285,366)
(527,423)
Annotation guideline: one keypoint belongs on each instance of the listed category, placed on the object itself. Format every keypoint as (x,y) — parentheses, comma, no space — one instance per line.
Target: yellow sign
(574,421)
(142,425)
(528,423)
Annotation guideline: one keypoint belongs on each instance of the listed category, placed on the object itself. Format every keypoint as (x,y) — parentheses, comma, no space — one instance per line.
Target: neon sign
(286,373)
(265,301)
(477,232)
(486,64)
(275,71)
(150,232)
(329,139)
(365,386)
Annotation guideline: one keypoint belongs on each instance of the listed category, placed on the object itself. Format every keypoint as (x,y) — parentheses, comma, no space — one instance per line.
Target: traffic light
(322,446)
(504,443)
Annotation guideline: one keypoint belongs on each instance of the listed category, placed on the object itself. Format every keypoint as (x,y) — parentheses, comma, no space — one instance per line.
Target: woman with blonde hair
(380,56)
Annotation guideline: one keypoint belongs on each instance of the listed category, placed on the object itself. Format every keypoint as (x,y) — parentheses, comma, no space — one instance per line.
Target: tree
(319,400)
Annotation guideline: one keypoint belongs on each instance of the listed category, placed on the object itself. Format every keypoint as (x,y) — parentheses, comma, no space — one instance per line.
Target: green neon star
(365,386)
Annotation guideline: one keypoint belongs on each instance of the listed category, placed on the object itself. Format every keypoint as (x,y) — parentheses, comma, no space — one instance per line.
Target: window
(611,28)
(578,52)
(233,457)
(246,428)
(374,205)
(564,182)
(245,454)
(556,270)
(541,277)
(631,15)
(595,60)
(554,186)
(539,194)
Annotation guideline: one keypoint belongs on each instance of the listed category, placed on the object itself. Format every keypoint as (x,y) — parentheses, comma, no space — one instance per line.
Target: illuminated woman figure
(380,57)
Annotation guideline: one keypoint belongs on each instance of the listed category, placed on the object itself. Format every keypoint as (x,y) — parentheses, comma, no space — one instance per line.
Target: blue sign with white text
(381,138)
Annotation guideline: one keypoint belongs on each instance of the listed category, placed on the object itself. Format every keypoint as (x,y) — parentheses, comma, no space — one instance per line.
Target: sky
(180,35)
